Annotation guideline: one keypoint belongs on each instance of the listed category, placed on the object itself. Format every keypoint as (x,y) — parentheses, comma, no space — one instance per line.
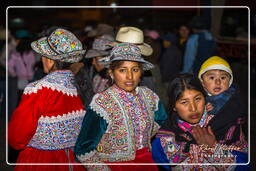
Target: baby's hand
(209,107)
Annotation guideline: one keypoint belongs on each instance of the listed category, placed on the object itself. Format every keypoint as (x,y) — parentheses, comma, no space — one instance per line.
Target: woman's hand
(204,136)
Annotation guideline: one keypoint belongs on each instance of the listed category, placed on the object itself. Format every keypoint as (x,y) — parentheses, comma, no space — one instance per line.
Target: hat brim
(145,64)
(145,48)
(41,46)
(92,53)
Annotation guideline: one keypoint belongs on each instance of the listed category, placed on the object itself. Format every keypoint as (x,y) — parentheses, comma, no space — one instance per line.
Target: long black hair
(24,45)
(176,88)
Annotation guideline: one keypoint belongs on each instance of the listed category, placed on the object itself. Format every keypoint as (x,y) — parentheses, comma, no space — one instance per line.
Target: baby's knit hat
(215,62)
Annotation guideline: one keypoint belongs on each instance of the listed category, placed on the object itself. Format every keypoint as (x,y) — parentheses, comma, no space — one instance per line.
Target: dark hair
(115,64)
(23,45)
(181,83)
(58,65)
(175,90)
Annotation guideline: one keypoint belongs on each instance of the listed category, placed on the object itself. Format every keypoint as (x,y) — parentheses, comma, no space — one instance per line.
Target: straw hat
(135,36)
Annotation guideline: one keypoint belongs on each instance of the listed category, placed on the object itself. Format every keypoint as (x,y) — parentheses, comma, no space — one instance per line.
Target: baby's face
(216,81)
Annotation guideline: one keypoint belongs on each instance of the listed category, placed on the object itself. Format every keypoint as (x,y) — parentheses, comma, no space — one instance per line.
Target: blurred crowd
(178,51)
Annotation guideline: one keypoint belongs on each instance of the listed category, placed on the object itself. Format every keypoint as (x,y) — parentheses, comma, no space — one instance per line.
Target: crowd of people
(123,96)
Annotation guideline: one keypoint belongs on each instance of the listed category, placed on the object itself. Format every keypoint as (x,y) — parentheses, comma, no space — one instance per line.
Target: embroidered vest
(118,142)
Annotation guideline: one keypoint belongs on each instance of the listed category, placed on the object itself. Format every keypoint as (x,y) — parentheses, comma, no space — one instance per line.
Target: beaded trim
(61,81)
(107,105)
(63,117)
(55,133)
(86,156)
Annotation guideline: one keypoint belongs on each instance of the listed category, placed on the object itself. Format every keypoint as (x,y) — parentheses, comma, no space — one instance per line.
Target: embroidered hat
(126,52)
(135,36)
(61,45)
(99,48)
(215,62)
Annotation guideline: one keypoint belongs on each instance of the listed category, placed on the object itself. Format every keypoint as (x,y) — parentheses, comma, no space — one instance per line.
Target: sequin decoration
(59,80)
(55,133)
(130,123)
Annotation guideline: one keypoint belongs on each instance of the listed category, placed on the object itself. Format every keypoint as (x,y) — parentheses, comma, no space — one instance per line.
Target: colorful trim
(62,81)
(55,133)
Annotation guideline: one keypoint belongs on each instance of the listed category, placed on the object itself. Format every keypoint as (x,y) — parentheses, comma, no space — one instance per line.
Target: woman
(121,120)
(21,63)
(100,49)
(43,126)
(186,137)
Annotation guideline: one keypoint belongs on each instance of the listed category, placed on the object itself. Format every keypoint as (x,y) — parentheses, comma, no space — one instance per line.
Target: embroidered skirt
(142,156)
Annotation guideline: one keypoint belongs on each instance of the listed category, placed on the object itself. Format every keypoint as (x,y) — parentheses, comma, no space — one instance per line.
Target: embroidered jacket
(49,116)
(117,124)
(166,149)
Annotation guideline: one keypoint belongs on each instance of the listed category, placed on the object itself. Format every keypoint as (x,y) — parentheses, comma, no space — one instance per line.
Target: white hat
(135,36)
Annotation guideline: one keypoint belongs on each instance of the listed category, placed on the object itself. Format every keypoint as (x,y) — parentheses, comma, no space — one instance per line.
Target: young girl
(121,120)
(186,138)
(47,121)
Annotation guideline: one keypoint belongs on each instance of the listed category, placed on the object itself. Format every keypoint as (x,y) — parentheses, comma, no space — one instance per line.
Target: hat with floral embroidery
(126,52)
(100,47)
(61,45)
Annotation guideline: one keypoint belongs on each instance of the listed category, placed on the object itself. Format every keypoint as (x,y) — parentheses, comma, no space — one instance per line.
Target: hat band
(58,53)
(132,43)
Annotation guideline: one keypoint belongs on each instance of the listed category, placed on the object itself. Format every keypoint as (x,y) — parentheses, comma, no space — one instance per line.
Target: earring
(112,79)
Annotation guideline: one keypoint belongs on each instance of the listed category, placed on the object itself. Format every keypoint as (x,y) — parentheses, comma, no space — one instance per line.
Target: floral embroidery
(122,136)
(55,133)
(62,81)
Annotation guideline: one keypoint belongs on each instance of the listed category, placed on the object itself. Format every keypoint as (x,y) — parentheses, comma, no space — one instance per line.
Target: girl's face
(98,66)
(190,106)
(127,75)
(47,64)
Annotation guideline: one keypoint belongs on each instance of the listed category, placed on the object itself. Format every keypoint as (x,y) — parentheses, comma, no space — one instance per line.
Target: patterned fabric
(126,52)
(47,122)
(99,84)
(127,131)
(166,149)
(61,45)
(101,44)
(185,126)
(51,130)
(62,81)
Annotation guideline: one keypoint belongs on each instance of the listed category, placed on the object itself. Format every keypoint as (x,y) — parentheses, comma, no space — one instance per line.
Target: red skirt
(32,155)
(142,156)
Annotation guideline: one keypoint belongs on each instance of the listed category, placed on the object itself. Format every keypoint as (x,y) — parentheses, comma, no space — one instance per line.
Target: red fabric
(23,125)
(45,102)
(142,156)
(32,155)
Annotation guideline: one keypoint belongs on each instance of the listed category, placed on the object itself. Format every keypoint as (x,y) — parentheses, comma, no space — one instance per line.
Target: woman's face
(98,66)
(47,64)
(184,32)
(190,106)
(127,75)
